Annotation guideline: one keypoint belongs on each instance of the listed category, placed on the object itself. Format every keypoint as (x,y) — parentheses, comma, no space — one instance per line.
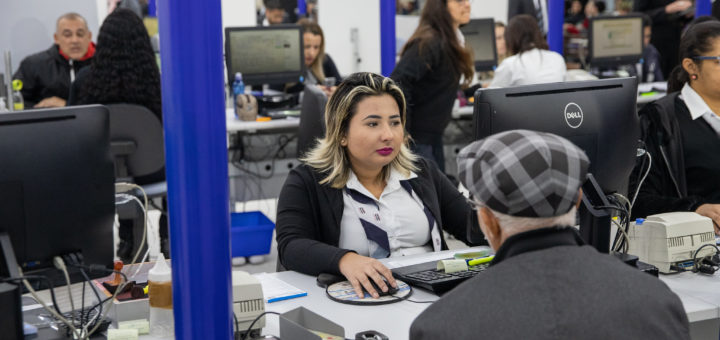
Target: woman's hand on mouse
(359,270)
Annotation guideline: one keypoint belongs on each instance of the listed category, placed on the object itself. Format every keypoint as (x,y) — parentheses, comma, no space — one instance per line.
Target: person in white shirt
(530,61)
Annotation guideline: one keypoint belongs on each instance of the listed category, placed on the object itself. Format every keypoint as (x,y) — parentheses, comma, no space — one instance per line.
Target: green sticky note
(122,334)
(142,325)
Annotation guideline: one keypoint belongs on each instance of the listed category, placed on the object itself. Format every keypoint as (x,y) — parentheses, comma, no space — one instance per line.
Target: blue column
(556,16)
(703,7)
(387,36)
(302,7)
(196,163)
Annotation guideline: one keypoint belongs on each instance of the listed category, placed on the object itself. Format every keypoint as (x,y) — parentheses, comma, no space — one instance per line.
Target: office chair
(136,143)
(312,121)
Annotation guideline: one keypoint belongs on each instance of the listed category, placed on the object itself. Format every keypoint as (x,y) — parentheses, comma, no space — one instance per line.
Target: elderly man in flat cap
(544,283)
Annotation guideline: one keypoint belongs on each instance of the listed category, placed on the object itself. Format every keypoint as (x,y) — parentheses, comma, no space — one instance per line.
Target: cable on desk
(254,321)
(60,264)
(121,187)
(637,190)
(37,277)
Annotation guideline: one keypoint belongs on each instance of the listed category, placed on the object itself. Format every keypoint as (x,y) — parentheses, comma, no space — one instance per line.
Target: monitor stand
(594,222)
(9,255)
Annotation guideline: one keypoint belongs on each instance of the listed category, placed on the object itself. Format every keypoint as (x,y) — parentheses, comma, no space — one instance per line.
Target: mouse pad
(343,292)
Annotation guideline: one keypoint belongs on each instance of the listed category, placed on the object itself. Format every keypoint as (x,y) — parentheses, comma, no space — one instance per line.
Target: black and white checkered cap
(524,173)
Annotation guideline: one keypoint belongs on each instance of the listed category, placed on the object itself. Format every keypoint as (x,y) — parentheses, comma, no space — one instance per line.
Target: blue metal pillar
(196,163)
(556,15)
(302,7)
(703,7)
(387,36)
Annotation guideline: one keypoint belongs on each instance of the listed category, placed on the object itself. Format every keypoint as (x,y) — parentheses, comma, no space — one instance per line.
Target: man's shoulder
(42,56)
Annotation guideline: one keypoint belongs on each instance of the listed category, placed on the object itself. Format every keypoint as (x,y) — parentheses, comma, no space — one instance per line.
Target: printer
(671,239)
(248,302)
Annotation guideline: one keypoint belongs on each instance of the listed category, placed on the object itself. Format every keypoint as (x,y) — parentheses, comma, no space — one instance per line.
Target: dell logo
(573,115)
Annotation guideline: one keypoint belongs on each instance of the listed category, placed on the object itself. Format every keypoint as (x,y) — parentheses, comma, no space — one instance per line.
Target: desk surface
(237,125)
(700,294)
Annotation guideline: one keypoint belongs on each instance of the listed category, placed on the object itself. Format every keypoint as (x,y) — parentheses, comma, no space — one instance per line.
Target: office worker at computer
(432,64)
(361,194)
(530,61)
(274,14)
(544,282)
(320,66)
(650,66)
(682,133)
(47,75)
(124,71)
(668,18)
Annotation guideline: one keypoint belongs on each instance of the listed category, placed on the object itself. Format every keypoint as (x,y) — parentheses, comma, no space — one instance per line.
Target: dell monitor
(56,191)
(265,55)
(599,116)
(480,37)
(615,41)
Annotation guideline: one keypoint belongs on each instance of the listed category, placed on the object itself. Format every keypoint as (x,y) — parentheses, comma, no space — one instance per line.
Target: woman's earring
(694,77)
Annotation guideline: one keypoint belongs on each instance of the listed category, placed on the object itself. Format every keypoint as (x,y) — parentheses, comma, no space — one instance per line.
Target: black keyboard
(426,276)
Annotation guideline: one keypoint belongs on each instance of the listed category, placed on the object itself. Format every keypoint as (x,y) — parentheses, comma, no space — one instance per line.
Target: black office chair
(312,120)
(136,142)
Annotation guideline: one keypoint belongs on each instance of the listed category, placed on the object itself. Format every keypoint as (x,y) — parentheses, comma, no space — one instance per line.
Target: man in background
(544,282)
(47,75)
(275,13)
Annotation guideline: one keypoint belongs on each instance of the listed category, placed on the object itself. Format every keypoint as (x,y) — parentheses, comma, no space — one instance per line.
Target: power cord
(123,187)
(60,264)
(247,332)
(706,264)
(647,171)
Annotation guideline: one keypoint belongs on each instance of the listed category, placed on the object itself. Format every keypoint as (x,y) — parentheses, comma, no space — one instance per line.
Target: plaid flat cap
(524,173)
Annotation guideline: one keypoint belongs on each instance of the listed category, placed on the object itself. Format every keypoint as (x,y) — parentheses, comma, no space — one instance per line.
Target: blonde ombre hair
(329,156)
(316,67)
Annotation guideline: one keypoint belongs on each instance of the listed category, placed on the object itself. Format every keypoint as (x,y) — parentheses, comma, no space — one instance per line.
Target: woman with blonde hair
(361,194)
(320,67)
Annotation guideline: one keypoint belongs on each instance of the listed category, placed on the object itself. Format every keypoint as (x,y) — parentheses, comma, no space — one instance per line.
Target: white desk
(700,295)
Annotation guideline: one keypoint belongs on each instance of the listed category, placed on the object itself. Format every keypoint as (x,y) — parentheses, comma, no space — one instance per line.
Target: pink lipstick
(385,151)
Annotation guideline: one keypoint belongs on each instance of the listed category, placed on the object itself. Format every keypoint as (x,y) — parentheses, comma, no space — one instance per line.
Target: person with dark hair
(529,61)
(535,8)
(362,195)
(48,75)
(544,282)
(650,64)
(124,70)
(575,13)
(668,18)
(682,134)
(320,67)
(274,13)
(432,64)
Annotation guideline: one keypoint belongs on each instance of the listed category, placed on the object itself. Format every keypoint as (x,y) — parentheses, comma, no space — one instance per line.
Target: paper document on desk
(404,262)
(275,289)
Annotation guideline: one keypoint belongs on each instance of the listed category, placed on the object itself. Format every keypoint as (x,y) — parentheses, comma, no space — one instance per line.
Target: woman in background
(433,64)
(124,70)
(321,69)
(530,61)
(682,134)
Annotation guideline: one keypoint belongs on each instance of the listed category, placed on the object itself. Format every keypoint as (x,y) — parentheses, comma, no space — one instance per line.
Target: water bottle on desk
(160,294)
(238,88)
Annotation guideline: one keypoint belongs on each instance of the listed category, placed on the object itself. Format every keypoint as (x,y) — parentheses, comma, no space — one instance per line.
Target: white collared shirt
(698,108)
(404,219)
(535,66)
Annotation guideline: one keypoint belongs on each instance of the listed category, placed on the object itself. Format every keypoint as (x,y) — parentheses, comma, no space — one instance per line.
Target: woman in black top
(124,70)
(432,64)
(361,194)
(320,67)
(682,133)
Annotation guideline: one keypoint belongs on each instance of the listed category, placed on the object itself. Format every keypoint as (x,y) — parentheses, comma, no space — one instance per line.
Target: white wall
(496,9)
(27,26)
(337,18)
(236,13)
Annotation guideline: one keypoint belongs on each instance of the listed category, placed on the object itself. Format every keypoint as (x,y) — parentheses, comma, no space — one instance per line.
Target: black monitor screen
(480,36)
(57,187)
(615,40)
(598,116)
(264,55)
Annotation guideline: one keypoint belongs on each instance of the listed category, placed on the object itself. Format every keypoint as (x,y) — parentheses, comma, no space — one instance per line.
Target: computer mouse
(391,290)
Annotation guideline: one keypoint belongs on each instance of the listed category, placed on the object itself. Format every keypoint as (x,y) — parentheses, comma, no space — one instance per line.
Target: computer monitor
(57,189)
(615,41)
(480,36)
(599,116)
(265,55)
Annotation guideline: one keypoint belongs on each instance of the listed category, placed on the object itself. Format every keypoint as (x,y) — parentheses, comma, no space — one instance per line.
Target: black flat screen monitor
(480,37)
(615,41)
(599,116)
(57,188)
(265,55)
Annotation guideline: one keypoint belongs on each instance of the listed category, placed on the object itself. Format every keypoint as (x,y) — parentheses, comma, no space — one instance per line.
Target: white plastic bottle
(160,294)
